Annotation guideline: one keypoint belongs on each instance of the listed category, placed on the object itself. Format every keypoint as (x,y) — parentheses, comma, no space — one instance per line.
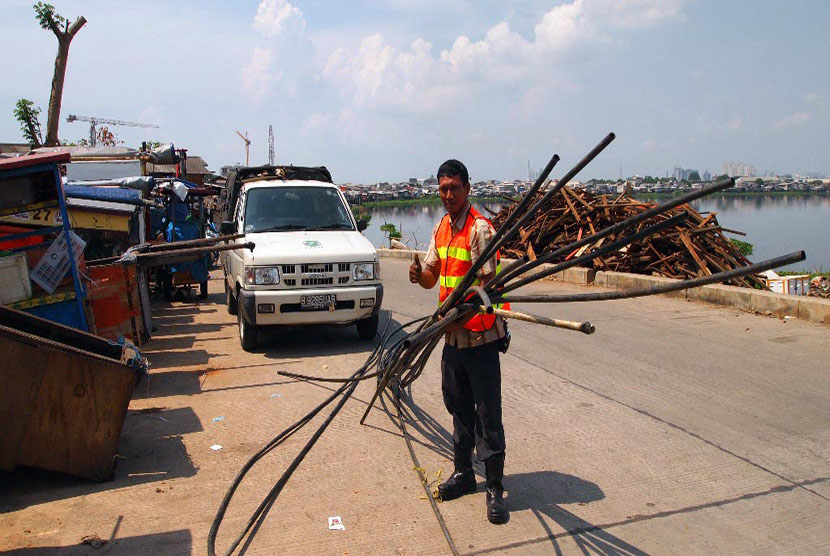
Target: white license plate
(320,301)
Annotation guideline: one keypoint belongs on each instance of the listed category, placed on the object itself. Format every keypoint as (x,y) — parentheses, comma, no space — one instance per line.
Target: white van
(310,264)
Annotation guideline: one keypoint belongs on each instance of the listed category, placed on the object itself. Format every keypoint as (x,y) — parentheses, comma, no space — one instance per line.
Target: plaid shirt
(481,232)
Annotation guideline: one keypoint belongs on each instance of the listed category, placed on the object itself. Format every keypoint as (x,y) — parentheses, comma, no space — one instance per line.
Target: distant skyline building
(738,169)
(682,173)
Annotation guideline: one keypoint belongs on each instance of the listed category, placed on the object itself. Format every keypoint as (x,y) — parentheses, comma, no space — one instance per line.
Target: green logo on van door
(312,243)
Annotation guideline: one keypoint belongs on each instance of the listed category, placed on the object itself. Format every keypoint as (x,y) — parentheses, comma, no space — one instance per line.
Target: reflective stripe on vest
(455,258)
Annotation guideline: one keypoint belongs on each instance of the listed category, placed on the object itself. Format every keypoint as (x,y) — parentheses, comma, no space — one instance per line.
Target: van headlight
(262,275)
(363,271)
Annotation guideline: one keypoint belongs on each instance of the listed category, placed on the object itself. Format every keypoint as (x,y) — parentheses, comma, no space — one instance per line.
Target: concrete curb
(811,309)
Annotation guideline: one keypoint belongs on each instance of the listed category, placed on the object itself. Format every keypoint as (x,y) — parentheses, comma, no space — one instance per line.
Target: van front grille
(317,281)
(316,274)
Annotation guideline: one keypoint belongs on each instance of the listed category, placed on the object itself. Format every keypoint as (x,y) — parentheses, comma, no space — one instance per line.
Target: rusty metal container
(63,398)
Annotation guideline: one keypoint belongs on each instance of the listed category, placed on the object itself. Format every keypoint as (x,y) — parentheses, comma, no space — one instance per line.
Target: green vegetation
(361,214)
(434,200)
(744,247)
(811,273)
(392,231)
(27,114)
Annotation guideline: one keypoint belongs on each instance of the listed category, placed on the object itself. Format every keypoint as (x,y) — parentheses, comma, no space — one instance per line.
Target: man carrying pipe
(470,370)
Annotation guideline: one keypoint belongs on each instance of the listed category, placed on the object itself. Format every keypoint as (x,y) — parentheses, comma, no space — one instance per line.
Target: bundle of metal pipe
(399,358)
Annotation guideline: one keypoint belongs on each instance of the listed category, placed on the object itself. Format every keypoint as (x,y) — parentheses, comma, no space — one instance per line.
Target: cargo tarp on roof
(112,194)
(144,184)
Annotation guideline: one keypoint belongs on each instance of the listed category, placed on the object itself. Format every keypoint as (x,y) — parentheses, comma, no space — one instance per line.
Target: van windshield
(285,208)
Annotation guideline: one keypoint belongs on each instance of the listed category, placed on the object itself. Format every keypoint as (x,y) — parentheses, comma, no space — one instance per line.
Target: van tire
(230,302)
(367,328)
(248,333)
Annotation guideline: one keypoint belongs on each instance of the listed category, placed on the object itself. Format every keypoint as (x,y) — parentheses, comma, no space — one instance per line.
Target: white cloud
(274,17)
(707,125)
(256,77)
(793,120)
(634,14)
(418,79)
(563,27)
(817,100)
(732,125)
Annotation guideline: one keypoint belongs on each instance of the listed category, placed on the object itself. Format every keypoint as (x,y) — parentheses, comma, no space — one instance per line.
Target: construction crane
(271,145)
(95,120)
(247,148)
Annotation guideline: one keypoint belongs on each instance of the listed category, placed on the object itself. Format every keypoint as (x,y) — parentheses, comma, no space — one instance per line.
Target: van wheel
(248,333)
(367,328)
(230,302)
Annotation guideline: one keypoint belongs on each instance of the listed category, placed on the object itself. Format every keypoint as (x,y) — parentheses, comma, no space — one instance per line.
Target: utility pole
(271,145)
(247,148)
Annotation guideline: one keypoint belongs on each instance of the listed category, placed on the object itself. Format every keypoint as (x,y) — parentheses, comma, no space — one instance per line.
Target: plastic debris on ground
(216,447)
(217,419)
(336,523)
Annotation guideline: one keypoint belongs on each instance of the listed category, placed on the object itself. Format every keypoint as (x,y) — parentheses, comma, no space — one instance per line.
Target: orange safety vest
(455,257)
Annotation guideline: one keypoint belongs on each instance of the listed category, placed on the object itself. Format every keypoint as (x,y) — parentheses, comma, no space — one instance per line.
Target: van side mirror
(362,225)
(227,228)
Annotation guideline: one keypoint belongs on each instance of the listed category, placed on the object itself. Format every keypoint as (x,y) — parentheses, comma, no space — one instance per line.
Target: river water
(774,224)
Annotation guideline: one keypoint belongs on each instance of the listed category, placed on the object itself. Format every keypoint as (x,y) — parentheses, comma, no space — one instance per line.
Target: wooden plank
(684,237)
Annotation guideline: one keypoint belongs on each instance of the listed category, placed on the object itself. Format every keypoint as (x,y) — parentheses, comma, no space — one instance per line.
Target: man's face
(453,193)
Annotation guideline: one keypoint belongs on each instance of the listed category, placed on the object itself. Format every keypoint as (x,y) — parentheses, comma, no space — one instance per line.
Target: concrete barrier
(627,281)
(812,309)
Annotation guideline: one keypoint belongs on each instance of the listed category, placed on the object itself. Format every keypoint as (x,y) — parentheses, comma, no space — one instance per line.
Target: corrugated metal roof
(92,152)
(14,148)
(195,165)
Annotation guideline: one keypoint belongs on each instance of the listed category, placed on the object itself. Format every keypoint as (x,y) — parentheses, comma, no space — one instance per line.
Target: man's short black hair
(453,167)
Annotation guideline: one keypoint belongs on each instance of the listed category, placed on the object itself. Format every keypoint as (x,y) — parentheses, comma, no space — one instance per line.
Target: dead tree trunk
(65,37)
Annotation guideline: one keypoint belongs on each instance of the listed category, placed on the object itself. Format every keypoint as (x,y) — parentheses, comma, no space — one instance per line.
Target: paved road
(677,428)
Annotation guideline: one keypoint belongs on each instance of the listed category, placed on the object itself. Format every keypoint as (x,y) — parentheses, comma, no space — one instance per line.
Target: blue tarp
(144,184)
(184,230)
(112,194)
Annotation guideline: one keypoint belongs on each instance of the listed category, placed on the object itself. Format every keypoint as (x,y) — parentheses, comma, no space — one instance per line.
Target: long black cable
(422,476)
(259,514)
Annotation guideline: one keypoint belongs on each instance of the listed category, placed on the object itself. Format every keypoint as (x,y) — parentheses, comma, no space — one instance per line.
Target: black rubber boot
(496,507)
(463,479)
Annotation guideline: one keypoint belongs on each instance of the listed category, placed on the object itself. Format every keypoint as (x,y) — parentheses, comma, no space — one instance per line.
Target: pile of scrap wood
(820,287)
(695,247)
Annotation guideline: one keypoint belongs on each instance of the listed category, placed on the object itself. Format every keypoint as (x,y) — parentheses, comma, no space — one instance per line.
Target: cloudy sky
(385,90)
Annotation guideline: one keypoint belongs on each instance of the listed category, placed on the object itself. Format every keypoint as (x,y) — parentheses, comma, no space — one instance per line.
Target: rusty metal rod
(184,255)
(156,247)
(584,327)
(794,257)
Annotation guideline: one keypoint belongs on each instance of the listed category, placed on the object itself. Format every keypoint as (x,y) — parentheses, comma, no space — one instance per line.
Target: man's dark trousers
(471,384)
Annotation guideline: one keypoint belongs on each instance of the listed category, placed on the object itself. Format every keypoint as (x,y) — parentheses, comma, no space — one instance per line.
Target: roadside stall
(50,285)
